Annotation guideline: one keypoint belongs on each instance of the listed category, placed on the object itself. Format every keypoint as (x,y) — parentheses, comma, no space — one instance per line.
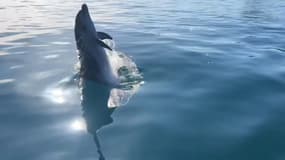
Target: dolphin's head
(83,22)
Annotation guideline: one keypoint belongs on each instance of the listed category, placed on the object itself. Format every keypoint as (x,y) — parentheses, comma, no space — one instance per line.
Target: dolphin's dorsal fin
(103,35)
(102,44)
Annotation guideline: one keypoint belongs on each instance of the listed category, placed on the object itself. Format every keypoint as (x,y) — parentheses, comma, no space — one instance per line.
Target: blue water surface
(214,73)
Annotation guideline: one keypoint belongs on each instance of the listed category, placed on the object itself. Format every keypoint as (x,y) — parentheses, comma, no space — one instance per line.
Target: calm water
(214,80)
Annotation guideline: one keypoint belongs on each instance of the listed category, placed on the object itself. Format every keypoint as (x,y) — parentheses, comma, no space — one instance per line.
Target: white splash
(122,65)
(130,77)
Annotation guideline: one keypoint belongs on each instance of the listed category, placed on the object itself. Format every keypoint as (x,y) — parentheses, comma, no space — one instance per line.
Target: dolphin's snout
(84,7)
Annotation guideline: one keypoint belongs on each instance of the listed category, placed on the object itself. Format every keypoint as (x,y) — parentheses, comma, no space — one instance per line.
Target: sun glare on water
(56,95)
(78,125)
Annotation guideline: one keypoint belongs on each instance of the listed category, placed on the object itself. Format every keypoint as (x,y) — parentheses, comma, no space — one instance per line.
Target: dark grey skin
(92,55)
(97,78)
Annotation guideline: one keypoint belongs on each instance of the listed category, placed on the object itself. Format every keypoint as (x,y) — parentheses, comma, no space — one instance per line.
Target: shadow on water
(94,101)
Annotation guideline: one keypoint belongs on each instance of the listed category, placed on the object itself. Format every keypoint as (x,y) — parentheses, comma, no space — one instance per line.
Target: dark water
(214,80)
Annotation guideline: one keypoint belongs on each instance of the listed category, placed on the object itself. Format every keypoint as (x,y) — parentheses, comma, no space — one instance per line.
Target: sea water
(214,80)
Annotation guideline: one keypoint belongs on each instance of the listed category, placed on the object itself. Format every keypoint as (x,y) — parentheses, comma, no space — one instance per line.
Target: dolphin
(94,62)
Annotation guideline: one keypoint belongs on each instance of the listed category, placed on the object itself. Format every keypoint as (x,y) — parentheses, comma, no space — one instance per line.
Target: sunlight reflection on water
(3,81)
(78,125)
(57,95)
